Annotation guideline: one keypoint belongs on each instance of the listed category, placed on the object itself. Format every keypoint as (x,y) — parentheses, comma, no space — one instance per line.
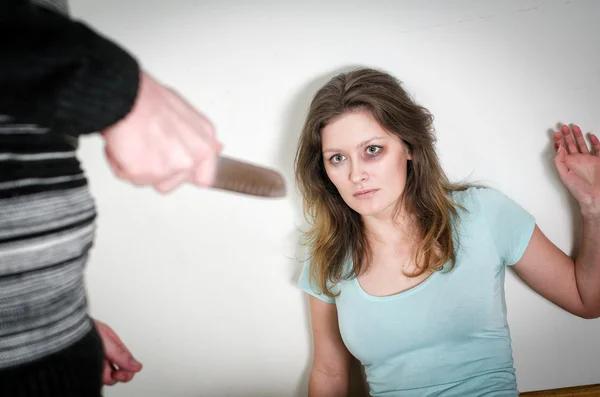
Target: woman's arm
(571,284)
(330,372)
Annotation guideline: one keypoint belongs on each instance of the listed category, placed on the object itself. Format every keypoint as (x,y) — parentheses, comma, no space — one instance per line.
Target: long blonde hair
(335,229)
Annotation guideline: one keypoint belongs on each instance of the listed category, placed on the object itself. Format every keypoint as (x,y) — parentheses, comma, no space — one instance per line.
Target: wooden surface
(579,391)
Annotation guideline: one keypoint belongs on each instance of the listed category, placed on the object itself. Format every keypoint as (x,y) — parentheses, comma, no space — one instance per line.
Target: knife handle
(241,177)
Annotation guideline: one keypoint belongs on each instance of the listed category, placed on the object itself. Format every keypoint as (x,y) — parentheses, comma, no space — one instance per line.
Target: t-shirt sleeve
(309,286)
(509,224)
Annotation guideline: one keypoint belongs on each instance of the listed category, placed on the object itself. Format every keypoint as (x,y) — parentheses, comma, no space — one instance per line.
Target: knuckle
(163,189)
(210,129)
(122,350)
(132,170)
(160,170)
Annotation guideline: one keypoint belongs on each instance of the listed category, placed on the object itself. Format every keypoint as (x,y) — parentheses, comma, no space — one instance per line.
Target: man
(59,79)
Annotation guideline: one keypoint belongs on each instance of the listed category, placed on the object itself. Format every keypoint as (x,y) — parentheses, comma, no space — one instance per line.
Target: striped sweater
(59,79)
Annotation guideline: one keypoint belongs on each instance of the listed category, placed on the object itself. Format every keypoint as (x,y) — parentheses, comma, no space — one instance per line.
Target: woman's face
(366,164)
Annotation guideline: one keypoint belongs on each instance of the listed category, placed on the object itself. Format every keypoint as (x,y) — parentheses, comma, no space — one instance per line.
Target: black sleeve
(59,73)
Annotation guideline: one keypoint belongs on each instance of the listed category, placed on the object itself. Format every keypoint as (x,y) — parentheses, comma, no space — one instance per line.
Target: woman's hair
(336,230)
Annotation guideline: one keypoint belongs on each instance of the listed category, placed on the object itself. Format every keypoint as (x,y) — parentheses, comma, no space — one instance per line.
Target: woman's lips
(366,193)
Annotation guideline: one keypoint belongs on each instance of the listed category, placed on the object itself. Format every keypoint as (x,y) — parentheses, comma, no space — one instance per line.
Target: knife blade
(242,177)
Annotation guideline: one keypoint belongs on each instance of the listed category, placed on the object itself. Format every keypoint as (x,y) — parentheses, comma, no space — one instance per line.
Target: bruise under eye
(374,149)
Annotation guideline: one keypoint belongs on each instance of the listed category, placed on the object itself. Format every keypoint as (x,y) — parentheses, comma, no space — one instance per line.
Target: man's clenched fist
(163,141)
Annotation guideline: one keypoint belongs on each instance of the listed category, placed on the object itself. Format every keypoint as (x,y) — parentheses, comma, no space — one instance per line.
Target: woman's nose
(358,173)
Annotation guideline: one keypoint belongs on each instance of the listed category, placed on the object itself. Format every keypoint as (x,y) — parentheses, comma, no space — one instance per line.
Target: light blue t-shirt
(448,336)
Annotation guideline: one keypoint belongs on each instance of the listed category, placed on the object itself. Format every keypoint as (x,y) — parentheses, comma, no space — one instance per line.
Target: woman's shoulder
(476,195)
(486,201)
(478,199)
(468,196)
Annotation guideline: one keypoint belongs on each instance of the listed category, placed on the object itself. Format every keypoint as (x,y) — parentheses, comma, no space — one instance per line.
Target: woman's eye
(336,158)
(373,149)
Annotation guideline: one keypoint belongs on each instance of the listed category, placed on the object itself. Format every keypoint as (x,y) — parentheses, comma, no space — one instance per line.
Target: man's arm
(61,74)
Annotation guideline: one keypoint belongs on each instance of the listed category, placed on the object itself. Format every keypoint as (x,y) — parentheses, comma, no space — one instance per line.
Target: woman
(406,270)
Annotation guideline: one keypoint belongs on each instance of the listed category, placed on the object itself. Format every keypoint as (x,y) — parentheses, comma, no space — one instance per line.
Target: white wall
(201,284)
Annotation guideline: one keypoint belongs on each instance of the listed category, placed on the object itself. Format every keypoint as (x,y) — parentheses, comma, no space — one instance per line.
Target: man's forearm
(61,74)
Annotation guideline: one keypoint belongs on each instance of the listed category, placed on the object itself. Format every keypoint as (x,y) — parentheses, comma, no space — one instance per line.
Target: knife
(241,177)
